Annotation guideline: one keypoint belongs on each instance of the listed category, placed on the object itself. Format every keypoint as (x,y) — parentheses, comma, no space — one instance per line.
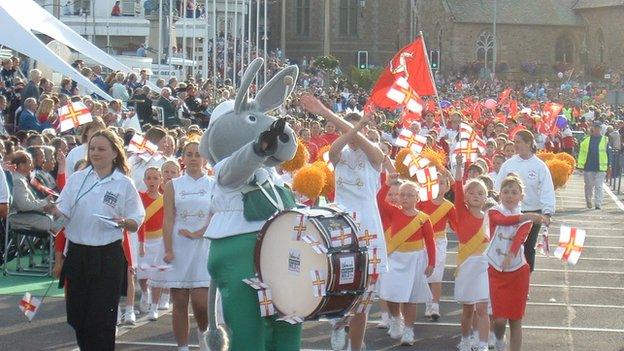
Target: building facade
(532,36)
(341,28)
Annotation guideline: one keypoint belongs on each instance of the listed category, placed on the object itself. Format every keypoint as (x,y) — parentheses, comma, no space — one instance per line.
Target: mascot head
(236,123)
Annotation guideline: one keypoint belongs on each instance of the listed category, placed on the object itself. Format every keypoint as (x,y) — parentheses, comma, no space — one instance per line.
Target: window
(349,18)
(82,6)
(564,49)
(485,48)
(601,46)
(302,17)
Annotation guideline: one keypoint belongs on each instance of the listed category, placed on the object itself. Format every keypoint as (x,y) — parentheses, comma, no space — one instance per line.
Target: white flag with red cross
(265,300)
(468,149)
(73,115)
(467,133)
(427,178)
(415,162)
(403,94)
(571,241)
(139,145)
(29,306)
(407,139)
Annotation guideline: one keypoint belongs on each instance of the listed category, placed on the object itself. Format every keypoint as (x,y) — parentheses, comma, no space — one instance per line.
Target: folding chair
(20,243)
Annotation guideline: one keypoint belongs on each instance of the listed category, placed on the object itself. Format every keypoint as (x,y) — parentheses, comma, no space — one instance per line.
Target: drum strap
(406,232)
(278,203)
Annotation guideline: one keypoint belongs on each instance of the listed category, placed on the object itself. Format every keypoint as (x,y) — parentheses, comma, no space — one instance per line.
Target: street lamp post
(495,43)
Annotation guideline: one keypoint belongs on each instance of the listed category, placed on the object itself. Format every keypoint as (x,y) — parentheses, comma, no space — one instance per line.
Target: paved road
(571,308)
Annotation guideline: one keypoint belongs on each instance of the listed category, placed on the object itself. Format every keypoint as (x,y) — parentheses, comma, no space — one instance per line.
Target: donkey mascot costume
(243,145)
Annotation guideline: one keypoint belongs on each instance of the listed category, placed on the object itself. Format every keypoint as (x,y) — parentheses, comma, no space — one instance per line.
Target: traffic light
(362,59)
(434,59)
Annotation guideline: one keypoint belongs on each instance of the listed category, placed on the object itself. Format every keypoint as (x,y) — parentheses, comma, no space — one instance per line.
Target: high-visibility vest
(603,160)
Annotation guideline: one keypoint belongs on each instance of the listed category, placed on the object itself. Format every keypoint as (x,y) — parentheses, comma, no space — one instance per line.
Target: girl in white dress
(186,204)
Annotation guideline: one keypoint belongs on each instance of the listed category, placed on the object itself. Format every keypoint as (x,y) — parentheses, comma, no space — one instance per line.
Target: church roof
(590,4)
(524,12)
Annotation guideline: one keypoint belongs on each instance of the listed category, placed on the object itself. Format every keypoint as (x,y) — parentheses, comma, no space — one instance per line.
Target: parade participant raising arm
(410,249)
(358,165)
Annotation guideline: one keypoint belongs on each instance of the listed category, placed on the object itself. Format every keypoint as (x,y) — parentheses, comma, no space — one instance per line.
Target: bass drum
(309,283)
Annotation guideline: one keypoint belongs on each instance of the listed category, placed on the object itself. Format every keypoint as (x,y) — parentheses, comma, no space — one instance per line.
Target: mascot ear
(242,100)
(275,92)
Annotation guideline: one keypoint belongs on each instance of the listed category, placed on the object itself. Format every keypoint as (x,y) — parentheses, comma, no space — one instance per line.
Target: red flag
(411,63)
(407,117)
(549,117)
(513,107)
(504,95)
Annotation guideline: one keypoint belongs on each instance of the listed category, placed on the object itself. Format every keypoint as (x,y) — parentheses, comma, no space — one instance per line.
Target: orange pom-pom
(328,188)
(309,181)
(321,152)
(559,171)
(545,155)
(567,158)
(402,169)
(302,156)
(437,158)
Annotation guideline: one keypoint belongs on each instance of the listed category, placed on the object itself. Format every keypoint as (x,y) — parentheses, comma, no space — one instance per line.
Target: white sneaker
(491,340)
(385,321)
(428,310)
(203,344)
(163,303)
(500,345)
(130,318)
(338,339)
(153,315)
(464,345)
(474,340)
(482,348)
(396,328)
(144,305)
(408,336)
(119,315)
(435,311)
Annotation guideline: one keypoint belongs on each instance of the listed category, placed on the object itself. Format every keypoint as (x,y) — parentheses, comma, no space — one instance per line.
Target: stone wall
(383,28)
(610,21)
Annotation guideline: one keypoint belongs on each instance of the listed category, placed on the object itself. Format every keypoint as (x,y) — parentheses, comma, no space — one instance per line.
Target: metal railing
(615,181)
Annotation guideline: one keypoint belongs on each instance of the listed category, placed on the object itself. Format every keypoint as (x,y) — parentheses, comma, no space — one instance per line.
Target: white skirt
(153,252)
(471,283)
(406,282)
(189,265)
(438,270)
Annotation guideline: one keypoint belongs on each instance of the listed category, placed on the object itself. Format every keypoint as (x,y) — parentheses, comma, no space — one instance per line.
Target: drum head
(290,266)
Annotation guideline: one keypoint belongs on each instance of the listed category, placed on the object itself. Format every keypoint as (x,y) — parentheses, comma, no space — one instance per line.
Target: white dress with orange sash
(471,279)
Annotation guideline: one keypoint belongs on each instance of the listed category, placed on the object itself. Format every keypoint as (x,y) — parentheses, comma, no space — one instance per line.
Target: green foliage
(365,78)
(327,63)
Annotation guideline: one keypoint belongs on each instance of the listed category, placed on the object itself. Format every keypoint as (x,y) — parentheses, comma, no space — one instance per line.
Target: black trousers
(93,275)
(531,241)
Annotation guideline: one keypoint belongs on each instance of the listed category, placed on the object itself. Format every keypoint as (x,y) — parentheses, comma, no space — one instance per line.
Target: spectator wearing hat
(594,161)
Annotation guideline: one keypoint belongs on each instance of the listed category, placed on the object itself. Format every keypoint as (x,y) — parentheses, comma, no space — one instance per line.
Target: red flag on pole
(410,63)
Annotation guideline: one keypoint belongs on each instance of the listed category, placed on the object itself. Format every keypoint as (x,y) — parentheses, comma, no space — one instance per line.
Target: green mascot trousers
(231,260)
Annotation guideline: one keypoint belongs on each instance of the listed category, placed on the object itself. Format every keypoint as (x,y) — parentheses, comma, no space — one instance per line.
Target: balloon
(560,75)
(490,103)
(562,122)
(445,104)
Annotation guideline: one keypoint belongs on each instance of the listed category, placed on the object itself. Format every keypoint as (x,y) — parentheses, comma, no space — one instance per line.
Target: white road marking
(617,201)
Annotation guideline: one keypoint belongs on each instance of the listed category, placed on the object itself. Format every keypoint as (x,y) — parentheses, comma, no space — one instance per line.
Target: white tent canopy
(31,17)
(17,37)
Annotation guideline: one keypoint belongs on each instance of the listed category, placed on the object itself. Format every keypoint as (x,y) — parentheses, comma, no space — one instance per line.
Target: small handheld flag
(29,306)
(571,241)
(73,115)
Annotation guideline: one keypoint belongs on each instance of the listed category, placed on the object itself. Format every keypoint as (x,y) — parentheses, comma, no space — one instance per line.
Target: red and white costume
(509,287)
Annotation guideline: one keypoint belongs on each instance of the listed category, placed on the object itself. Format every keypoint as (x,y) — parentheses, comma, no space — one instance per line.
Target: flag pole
(435,88)
(235,43)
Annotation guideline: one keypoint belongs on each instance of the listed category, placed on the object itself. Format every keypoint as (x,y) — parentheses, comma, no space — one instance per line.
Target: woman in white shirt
(98,204)
(539,192)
